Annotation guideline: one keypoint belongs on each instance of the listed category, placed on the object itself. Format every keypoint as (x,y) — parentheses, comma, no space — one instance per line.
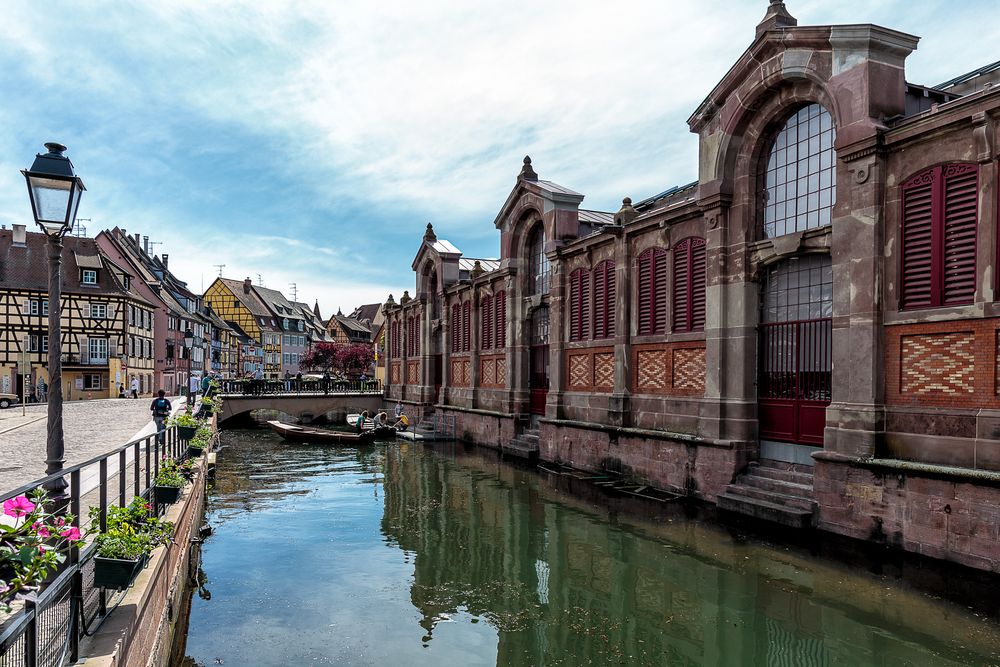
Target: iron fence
(45,631)
(299,387)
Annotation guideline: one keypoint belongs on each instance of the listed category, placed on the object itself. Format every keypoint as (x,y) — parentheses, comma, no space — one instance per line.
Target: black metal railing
(46,630)
(297,387)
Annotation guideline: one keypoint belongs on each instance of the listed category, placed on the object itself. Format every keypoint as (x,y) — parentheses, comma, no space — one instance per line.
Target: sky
(310,142)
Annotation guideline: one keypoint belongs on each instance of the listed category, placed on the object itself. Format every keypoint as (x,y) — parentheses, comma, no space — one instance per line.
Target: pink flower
(71,533)
(43,532)
(17,507)
(60,521)
(149,508)
(41,549)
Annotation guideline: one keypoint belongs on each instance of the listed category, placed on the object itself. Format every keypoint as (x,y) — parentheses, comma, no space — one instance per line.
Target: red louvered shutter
(645,290)
(500,308)
(486,313)
(601,299)
(698,269)
(961,195)
(466,323)
(456,331)
(659,291)
(610,303)
(574,304)
(682,286)
(917,278)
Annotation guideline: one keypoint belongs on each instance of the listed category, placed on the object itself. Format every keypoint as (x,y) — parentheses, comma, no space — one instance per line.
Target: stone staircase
(772,491)
(524,445)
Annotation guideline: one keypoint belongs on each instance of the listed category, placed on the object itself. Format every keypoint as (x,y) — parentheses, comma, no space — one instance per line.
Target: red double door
(538,378)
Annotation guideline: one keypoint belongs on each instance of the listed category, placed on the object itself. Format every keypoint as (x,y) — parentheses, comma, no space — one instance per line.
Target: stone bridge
(306,407)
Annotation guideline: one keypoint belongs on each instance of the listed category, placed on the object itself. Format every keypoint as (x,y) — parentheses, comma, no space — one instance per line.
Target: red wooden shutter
(500,308)
(574,305)
(486,313)
(645,292)
(698,269)
(659,291)
(961,195)
(466,323)
(604,300)
(456,322)
(916,279)
(682,286)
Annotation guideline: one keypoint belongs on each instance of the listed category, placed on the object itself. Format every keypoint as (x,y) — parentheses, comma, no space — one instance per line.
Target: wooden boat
(384,432)
(319,436)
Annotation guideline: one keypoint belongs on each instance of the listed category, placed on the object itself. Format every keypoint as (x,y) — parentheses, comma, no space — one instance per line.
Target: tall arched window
(652,282)
(689,285)
(604,300)
(800,179)
(486,317)
(579,304)
(538,263)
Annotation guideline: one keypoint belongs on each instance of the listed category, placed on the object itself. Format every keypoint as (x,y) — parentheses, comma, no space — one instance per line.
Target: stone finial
(527,173)
(405,299)
(390,302)
(477,270)
(777,17)
(429,234)
(626,214)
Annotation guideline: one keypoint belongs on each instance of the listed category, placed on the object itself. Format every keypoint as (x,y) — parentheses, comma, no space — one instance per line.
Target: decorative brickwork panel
(456,373)
(501,372)
(604,371)
(488,372)
(579,371)
(651,370)
(466,372)
(689,369)
(996,364)
(938,364)
(412,372)
(394,373)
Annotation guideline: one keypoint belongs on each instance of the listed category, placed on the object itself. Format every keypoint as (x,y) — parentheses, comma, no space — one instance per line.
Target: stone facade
(806,337)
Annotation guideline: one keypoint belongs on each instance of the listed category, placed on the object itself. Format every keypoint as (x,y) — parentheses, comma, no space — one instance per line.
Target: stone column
(619,404)
(518,307)
(557,337)
(474,343)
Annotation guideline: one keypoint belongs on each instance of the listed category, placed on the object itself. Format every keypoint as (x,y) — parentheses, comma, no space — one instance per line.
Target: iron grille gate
(795,380)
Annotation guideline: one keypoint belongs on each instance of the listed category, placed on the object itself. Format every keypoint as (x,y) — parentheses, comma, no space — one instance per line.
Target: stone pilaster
(557,336)
(475,343)
(619,408)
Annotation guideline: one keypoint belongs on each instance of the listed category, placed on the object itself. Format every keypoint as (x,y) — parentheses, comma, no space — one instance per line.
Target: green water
(411,555)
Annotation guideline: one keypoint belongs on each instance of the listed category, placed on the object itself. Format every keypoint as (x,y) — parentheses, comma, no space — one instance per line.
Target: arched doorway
(538,362)
(796,335)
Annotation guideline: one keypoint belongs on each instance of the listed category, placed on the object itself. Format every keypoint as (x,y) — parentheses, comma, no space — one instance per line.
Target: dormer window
(89,277)
(284,324)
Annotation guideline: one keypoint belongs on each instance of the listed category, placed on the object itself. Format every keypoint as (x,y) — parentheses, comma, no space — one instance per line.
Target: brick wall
(460,372)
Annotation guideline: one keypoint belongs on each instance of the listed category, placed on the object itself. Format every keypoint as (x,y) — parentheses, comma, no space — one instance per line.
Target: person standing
(194,384)
(326,381)
(160,407)
(41,389)
(399,410)
(135,387)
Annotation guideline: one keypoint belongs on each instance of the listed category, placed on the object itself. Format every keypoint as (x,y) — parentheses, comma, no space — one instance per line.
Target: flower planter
(117,573)
(194,452)
(167,495)
(186,432)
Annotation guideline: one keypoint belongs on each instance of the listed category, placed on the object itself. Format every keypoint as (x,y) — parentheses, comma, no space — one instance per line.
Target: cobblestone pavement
(91,428)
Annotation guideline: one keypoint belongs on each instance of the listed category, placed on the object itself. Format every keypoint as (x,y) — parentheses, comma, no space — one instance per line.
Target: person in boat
(402,423)
(361,420)
(381,421)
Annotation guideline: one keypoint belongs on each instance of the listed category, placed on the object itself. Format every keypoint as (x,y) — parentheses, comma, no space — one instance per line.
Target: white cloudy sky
(310,142)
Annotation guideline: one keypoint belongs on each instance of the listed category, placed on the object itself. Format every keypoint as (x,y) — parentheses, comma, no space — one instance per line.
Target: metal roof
(556,188)
(649,201)
(467,264)
(445,246)
(969,75)
(597,217)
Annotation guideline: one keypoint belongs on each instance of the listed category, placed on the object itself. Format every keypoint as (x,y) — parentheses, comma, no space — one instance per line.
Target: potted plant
(168,483)
(186,425)
(123,548)
(33,543)
(186,468)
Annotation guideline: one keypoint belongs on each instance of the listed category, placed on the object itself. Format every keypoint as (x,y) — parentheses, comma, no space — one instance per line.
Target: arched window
(579,304)
(538,263)
(689,285)
(486,322)
(604,300)
(652,292)
(413,336)
(940,212)
(466,325)
(456,327)
(500,319)
(394,344)
(800,180)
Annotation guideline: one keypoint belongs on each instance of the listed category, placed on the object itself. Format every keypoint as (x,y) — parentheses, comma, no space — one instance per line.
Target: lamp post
(189,346)
(54,190)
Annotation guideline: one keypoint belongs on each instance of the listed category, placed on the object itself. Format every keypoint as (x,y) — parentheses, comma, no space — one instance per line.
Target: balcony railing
(46,631)
(300,387)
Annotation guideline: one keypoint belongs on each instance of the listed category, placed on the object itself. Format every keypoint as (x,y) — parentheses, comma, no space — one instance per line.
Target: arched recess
(538,360)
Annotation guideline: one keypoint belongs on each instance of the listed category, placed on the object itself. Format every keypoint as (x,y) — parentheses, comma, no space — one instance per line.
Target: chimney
(165,258)
(136,236)
(20,234)
(145,243)
(246,286)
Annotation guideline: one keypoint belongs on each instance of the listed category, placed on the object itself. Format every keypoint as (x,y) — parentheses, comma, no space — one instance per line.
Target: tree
(320,357)
(347,359)
(355,358)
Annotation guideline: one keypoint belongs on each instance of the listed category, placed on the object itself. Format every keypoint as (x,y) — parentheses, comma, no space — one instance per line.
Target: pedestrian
(121,390)
(258,381)
(41,389)
(399,409)
(206,382)
(135,387)
(193,385)
(288,380)
(160,407)
(326,382)
(298,381)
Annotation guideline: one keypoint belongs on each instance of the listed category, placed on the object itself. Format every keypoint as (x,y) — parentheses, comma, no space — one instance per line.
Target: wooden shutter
(645,288)
(500,320)
(652,291)
(601,300)
(86,309)
(916,279)
(682,286)
(579,303)
(466,324)
(698,270)
(660,291)
(84,350)
(961,195)
(456,327)
(486,313)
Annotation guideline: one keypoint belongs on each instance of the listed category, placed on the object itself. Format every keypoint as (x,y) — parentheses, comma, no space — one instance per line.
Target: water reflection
(401,554)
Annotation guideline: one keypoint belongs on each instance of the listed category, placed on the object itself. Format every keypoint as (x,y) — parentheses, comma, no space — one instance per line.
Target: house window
(799,288)
(32,343)
(98,348)
(93,381)
(538,263)
(540,326)
(301,326)
(579,304)
(486,315)
(604,300)
(98,311)
(800,179)
(45,343)
(89,277)
(33,307)
(652,269)
(45,307)
(500,319)
(689,285)
(940,213)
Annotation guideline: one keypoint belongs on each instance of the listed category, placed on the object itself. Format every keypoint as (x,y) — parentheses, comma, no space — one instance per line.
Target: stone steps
(765,510)
(772,493)
(770,496)
(524,445)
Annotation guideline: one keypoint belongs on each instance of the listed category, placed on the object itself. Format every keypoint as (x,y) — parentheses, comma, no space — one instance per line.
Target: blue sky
(311,142)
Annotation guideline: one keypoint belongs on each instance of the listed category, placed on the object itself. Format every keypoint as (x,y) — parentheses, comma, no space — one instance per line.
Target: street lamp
(188,345)
(54,190)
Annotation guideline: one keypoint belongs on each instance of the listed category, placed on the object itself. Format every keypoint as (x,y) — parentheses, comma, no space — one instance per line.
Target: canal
(410,555)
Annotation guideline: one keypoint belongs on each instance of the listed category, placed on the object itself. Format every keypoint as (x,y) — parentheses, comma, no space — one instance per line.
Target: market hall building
(808,334)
